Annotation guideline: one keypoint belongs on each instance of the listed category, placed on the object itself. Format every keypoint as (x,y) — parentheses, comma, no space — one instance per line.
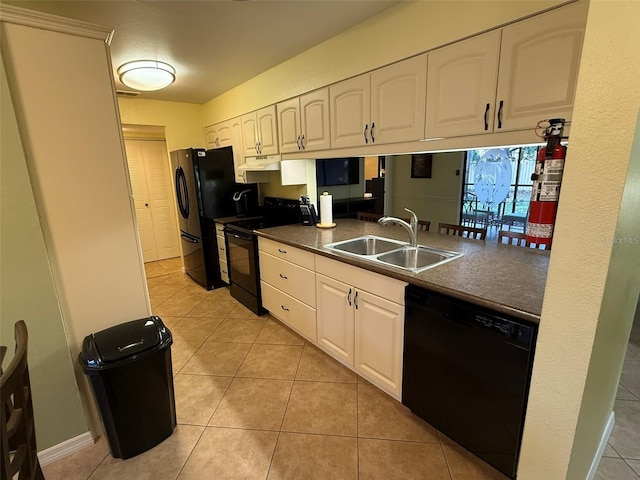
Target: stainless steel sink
(393,253)
(367,245)
(418,258)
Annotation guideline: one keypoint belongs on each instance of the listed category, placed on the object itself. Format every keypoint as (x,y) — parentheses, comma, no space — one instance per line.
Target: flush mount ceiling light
(147,75)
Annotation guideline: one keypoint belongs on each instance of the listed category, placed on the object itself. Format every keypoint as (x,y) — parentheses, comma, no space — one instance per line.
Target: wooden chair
(462,231)
(17,429)
(519,239)
(369,217)
(423,225)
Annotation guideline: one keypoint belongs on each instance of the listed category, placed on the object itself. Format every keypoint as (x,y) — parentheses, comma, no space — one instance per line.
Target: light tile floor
(621,459)
(256,401)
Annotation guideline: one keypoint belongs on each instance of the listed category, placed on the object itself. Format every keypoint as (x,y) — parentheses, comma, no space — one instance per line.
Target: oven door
(243,260)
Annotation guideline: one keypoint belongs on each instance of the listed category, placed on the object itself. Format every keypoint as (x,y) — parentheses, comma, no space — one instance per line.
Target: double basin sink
(393,253)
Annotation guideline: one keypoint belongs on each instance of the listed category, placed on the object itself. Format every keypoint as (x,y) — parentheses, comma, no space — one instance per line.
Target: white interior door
(153,197)
(163,214)
(135,160)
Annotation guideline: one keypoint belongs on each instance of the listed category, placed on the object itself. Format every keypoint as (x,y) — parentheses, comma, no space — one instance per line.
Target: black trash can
(129,368)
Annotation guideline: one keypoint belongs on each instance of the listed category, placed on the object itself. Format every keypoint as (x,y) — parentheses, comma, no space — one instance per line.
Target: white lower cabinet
(335,317)
(354,315)
(379,341)
(362,328)
(287,281)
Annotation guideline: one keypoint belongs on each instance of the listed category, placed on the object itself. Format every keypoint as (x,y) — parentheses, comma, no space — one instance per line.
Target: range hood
(261,163)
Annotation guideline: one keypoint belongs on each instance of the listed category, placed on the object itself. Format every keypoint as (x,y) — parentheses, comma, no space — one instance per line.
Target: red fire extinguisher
(547,180)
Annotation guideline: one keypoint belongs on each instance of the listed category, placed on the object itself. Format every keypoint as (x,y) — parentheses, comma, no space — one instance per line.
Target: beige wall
(436,199)
(585,322)
(74,150)
(182,121)
(399,32)
(28,293)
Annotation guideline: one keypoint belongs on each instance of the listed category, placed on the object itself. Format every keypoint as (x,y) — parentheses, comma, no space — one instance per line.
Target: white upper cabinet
(539,63)
(303,122)
(385,106)
(289,125)
(259,132)
(350,108)
(397,101)
(461,87)
(266,123)
(314,119)
(228,134)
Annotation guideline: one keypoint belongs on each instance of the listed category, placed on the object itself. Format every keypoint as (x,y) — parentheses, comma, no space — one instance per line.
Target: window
(483,170)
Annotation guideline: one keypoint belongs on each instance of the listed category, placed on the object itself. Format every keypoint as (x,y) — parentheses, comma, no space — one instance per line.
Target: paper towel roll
(326,209)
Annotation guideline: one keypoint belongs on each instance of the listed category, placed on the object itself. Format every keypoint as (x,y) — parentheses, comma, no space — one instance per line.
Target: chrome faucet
(412,227)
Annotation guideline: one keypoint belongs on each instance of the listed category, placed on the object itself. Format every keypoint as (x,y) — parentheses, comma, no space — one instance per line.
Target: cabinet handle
(366,129)
(486,119)
(500,114)
(256,147)
(284,308)
(282,251)
(349,297)
(373,125)
(302,142)
(355,300)
(282,276)
(298,142)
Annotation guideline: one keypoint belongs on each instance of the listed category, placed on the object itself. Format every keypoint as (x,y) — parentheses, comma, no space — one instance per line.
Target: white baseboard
(65,448)
(603,444)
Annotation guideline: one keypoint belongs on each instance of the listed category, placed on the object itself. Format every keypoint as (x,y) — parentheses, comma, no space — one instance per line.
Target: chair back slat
(462,231)
(19,451)
(519,239)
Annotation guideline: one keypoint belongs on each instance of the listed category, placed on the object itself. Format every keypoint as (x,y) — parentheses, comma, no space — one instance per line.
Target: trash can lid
(124,342)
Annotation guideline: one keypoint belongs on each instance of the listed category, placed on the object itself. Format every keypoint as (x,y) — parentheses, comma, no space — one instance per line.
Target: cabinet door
(539,63)
(461,87)
(397,101)
(224,134)
(211,136)
(289,125)
(350,112)
(314,117)
(249,134)
(335,314)
(379,330)
(267,130)
(235,125)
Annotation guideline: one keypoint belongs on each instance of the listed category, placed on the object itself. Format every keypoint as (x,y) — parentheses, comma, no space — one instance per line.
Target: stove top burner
(278,211)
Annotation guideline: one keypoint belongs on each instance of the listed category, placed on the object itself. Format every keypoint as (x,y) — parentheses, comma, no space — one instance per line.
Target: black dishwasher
(467,372)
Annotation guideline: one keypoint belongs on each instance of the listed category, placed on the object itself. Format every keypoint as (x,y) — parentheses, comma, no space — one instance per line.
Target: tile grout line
(100,462)
(186,460)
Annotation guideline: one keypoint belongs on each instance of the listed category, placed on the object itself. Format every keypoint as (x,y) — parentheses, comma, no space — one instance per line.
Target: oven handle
(242,236)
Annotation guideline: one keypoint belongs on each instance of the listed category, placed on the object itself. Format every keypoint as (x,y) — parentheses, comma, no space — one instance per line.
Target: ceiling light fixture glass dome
(147,75)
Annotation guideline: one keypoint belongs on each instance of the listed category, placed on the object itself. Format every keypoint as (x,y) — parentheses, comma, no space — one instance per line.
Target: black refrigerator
(204,186)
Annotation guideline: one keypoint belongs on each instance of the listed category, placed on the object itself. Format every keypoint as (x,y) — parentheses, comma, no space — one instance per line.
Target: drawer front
(380,285)
(220,229)
(288,310)
(222,248)
(291,254)
(224,271)
(292,279)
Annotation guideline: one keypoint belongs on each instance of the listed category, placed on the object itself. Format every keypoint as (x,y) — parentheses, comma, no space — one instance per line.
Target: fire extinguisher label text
(549,191)
(540,230)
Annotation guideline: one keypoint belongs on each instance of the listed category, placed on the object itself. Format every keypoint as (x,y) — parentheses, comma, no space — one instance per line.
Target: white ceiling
(213,45)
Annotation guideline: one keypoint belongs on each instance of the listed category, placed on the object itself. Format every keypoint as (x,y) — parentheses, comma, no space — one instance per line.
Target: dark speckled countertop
(505,278)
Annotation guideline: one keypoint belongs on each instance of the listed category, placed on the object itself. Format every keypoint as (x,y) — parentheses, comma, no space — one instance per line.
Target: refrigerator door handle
(188,237)
(182,193)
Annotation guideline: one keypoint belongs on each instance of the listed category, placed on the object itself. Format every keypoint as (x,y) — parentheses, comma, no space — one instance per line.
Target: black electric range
(242,248)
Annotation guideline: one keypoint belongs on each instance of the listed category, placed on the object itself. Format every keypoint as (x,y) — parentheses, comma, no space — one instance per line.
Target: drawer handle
(349,297)
(500,114)
(282,276)
(355,300)
(284,308)
(282,251)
